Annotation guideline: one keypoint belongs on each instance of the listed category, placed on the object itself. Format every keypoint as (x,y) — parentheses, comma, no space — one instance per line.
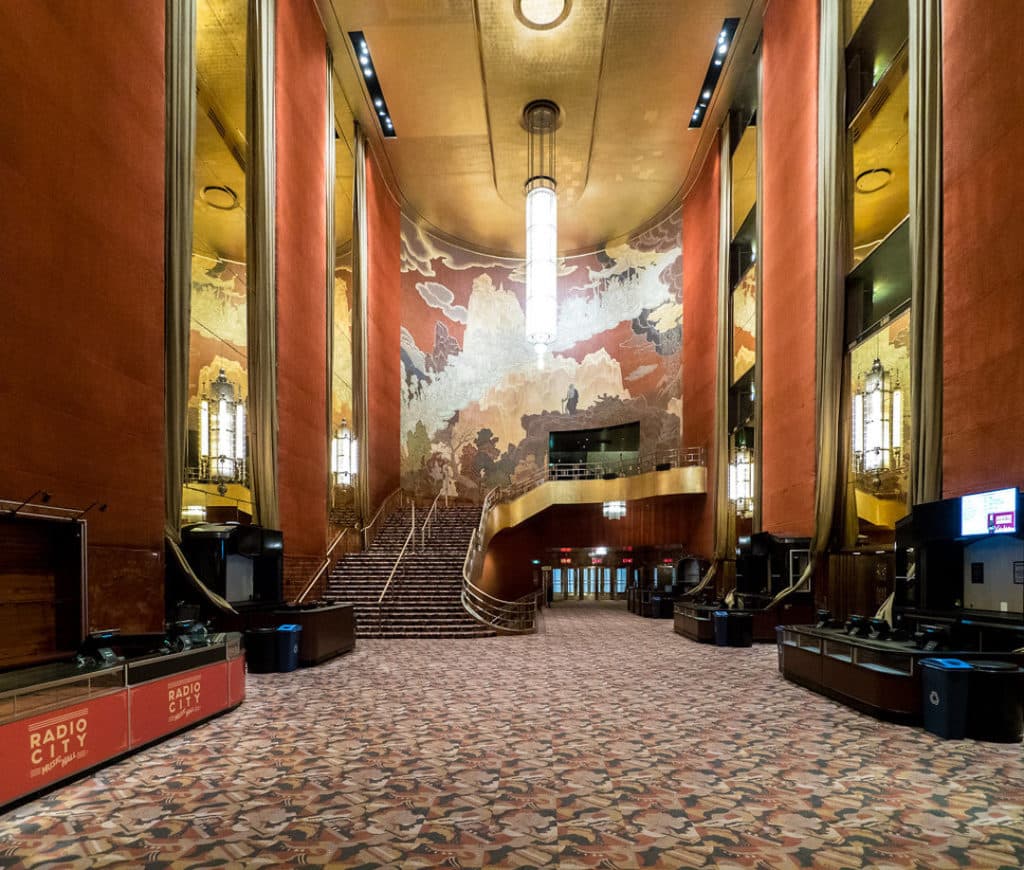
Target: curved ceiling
(457,73)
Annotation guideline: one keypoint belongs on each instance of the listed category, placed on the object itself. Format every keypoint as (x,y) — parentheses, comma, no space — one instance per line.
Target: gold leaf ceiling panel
(458,73)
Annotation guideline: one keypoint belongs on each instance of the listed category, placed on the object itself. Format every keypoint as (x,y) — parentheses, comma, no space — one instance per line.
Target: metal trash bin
(288,637)
(720,619)
(996,702)
(740,628)
(261,650)
(944,686)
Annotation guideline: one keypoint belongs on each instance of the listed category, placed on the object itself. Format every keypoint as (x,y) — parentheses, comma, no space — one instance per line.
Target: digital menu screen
(989,513)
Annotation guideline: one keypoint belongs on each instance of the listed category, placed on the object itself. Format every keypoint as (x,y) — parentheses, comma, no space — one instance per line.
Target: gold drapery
(179,176)
(332,255)
(925,47)
(723,365)
(261,313)
(359,329)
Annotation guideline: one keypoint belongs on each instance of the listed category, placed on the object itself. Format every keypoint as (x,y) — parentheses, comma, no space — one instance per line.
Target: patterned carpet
(605,741)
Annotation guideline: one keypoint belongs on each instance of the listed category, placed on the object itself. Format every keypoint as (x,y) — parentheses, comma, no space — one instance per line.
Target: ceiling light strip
(715,66)
(372,82)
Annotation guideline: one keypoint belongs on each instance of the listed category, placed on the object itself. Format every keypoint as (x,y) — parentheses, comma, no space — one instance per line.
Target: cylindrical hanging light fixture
(540,119)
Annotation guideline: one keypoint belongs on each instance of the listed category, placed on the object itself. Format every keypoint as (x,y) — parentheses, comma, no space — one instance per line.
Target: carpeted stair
(424,599)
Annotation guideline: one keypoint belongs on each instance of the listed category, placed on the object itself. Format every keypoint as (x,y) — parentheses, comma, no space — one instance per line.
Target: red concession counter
(59,720)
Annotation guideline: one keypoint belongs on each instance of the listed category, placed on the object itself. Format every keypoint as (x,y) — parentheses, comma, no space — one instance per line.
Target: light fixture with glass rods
(877,424)
(741,475)
(222,433)
(540,119)
(344,456)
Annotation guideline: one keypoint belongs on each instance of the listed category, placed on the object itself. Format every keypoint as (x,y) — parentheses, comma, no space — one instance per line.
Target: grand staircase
(424,599)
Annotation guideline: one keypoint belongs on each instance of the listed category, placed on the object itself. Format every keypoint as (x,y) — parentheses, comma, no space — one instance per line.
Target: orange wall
(301,95)
(383,315)
(983,174)
(700,312)
(82,242)
(789,130)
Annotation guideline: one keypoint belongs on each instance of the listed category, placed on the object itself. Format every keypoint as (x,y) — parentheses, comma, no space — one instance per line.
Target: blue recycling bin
(288,637)
(720,618)
(944,685)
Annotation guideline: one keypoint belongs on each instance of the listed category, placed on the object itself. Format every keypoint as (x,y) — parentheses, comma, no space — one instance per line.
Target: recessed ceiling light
(718,54)
(361,47)
(542,14)
(219,196)
(873,180)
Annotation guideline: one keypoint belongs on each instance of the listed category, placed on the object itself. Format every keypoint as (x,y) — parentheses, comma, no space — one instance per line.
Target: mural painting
(476,410)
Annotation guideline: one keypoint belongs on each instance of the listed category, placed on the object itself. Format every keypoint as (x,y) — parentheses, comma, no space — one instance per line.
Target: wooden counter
(880,677)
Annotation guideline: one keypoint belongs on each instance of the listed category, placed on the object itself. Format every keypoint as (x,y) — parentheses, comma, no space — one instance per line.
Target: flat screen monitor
(989,513)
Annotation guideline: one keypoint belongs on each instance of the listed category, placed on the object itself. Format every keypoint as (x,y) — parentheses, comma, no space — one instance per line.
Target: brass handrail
(325,565)
(386,508)
(398,561)
(430,517)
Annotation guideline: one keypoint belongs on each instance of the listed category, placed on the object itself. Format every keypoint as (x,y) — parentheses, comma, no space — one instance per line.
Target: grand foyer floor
(605,741)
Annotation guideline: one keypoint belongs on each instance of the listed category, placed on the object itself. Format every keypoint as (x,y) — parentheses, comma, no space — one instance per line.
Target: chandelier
(344,456)
(222,434)
(540,119)
(614,510)
(877,424)
(741,475)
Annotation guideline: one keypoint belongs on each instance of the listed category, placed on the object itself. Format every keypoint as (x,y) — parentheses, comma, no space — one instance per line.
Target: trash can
(944,696)
(996,693)
(741,628)
(721,622)
(288,647)
(261,650)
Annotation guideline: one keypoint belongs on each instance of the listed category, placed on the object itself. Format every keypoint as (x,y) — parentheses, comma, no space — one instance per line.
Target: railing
(512,617)
(426,531)
(394,568)
(330,560)
(661,460)
(387,507)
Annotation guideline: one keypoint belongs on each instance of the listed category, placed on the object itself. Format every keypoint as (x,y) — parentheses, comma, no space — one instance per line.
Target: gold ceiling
(457,73)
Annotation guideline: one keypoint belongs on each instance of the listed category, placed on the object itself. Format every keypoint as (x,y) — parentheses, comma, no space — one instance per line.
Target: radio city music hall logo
(58,742)
(183,697)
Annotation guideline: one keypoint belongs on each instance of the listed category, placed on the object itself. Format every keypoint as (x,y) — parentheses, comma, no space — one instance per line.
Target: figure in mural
(571,400)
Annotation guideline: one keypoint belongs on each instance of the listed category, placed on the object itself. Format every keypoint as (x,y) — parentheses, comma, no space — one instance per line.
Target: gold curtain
(359,330)
(723,364)
(926,250)
(832,244)
(332,253)
(179,169)
(260,253)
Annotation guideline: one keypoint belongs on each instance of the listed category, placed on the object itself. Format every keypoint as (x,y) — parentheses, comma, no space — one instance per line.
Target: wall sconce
(741,475)
(222,435)
(344,456)
(877,424)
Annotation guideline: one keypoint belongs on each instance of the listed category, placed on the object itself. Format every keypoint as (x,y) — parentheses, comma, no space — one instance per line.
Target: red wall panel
(983,183)
(81,242)
(301,95)
(383,315)
(700,313)
(789,130)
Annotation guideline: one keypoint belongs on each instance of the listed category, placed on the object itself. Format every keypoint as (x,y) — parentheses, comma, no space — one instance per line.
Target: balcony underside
(687,480)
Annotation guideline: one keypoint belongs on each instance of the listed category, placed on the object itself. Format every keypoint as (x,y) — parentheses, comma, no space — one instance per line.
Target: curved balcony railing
(520,616)
(660,460)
